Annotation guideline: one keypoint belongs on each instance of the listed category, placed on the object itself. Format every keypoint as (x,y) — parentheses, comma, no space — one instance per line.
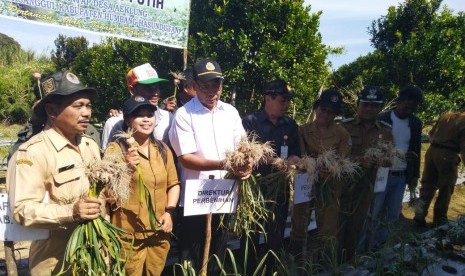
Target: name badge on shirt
(284,151)
(284,148)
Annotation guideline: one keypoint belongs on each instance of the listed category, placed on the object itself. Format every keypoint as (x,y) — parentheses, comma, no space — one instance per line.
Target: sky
(343,23)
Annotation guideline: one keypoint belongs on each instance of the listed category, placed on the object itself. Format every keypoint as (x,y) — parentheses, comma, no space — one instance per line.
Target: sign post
(208,239)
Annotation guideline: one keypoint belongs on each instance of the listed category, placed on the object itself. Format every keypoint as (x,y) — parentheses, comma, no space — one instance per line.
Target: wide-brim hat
(62,83)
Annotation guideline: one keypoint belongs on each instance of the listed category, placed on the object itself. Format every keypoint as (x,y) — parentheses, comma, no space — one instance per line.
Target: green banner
(163,22)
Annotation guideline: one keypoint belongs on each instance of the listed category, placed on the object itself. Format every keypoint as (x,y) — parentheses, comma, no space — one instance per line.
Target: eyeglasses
(210,87)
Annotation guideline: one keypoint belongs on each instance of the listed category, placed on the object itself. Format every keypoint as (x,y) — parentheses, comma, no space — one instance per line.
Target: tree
(16,82)
(6,42)
(254,42)
(67,49)
(258,41)
(104,67)
(420,44)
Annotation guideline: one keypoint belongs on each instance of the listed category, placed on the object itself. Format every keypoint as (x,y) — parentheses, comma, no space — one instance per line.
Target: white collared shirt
(208,134)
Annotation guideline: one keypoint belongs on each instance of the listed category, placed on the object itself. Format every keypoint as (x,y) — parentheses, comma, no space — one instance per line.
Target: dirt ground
(405,226)
(456,208)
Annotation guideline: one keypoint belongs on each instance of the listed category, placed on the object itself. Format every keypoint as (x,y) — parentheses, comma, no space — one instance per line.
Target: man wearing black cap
(46,179)
(271,124)
(203,130)
(316,137)
(365,132)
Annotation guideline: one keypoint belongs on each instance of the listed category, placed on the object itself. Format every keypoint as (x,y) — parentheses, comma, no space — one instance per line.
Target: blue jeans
(386,208)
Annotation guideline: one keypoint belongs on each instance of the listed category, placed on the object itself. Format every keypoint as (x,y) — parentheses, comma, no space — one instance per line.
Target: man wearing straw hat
(46,180)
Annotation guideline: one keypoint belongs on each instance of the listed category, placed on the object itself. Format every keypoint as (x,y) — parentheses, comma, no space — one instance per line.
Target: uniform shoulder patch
(385,124)
(24,161)
(347,120)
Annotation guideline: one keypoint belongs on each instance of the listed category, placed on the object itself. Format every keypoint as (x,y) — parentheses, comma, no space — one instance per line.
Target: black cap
(279,87)
(371,94)
(133,103)
(330,98)
(207,69)
(62,83)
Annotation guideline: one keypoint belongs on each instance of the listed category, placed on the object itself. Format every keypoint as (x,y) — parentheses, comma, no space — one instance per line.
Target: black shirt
(265,130)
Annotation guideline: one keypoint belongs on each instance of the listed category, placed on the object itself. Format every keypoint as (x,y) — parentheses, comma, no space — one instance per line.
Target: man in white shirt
(142,81)
(203,130)
(406,131)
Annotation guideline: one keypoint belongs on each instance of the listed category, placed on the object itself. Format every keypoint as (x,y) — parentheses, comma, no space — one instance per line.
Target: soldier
(441,166)
(46,182)
(365,132)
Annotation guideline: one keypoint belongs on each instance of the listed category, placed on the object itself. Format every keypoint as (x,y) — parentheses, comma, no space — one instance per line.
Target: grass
(7,132)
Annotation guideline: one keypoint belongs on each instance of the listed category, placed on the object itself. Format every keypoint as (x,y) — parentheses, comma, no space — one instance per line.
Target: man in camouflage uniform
(441,166)
(356,197)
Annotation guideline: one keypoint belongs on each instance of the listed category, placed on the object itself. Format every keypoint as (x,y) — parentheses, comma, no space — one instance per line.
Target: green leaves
(415,43)
(258,41)
(16,82)
(95,248)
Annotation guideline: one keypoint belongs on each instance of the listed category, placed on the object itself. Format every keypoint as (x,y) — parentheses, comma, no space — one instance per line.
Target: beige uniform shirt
(158,178)
(313,143)
(45,178)
(362,138)
(449,131)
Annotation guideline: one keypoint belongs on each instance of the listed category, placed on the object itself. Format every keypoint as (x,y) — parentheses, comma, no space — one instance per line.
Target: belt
(439,146)
(398,173)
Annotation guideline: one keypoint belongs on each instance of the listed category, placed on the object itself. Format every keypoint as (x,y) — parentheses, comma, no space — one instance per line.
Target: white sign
(302,188)
(284,152)
(10,231)
(381,179)
(163,22)
(204,196)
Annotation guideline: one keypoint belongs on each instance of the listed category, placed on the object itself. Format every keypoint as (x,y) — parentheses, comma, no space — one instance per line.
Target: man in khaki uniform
(441,161)
(316,137)
(356,197)
(46,182)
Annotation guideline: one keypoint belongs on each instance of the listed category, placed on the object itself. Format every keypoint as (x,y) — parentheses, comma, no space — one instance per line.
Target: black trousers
(192,241)
(274,240)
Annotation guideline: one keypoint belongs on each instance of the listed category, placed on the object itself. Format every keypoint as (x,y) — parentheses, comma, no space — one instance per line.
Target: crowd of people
(187,138)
